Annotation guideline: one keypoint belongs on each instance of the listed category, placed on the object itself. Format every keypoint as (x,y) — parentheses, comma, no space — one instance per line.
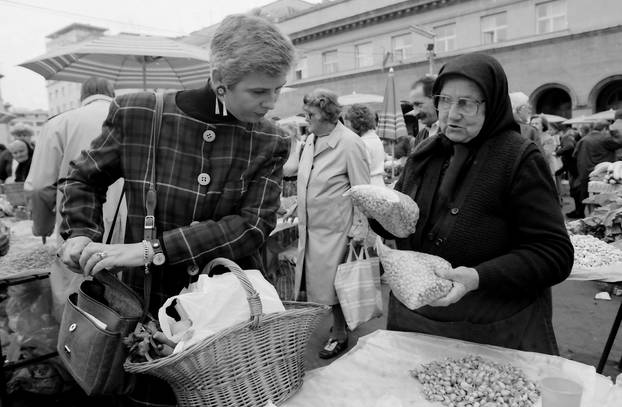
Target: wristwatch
(158,255)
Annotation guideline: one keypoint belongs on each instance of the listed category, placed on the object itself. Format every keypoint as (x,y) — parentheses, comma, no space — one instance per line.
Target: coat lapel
(329,141)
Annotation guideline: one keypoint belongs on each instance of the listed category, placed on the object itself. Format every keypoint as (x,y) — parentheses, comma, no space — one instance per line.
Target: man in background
(62,140)
(598,146)
(521,108)
(423,108)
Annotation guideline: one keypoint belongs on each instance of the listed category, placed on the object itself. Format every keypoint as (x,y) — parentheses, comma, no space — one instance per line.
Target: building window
(300,72)
(445,38)
(551,16)
(363,54)
(329,62)
(494,28)
(402,46)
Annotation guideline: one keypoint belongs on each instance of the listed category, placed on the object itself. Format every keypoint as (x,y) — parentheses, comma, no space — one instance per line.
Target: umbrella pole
(144,73)
(393,163)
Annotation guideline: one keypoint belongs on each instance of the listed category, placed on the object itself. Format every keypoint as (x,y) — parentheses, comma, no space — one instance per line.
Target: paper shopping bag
(357,283)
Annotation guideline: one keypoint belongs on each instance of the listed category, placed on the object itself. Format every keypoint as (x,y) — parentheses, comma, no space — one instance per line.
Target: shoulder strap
(150,204)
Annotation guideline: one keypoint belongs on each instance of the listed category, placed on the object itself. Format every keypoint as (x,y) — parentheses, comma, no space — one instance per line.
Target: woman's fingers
(88,252)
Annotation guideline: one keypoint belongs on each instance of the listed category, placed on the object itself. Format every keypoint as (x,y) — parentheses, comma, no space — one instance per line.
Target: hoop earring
(220,91)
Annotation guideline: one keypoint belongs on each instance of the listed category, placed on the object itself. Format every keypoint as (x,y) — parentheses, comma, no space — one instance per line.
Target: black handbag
(98,317)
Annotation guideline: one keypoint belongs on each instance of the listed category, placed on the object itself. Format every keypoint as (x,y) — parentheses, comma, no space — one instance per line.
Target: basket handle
(252,296)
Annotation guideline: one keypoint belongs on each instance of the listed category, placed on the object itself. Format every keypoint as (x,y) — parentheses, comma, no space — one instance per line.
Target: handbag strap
(114,218)
(150,231)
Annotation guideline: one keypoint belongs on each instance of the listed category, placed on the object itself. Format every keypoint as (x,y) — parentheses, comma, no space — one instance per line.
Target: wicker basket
(248,364)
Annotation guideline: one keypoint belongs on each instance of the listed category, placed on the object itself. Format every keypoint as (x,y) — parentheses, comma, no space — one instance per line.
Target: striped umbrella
(129,61)
(391,124)
(6,117)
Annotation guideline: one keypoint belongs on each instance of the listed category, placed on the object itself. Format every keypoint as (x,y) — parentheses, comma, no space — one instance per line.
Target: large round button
(454,211)
(193,270)
(209,136)
(204,178)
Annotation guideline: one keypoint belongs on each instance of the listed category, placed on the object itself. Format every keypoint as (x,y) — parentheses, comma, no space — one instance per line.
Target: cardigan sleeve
(542,254)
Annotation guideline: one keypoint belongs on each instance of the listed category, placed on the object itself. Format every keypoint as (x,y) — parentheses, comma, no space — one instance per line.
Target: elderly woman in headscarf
(333,159)
(489,207)
(22,152)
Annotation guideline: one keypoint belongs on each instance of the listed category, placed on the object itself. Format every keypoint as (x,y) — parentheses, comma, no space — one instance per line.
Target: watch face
(158,259)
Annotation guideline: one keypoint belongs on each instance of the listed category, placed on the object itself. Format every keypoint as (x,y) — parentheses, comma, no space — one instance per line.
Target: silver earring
(224,107)
(220,91)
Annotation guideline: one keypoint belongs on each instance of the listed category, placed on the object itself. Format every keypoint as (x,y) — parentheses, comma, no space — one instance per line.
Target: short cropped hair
(361,118)
(21,129)
(245,44)
(326,101)
(618,114)
(427,83)
(96,86)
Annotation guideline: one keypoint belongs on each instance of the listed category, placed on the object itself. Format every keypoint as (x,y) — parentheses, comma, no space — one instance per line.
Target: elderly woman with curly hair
(362,121)
(333,160)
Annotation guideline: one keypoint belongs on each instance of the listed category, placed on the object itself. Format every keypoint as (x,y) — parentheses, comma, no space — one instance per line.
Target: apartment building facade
(565,54)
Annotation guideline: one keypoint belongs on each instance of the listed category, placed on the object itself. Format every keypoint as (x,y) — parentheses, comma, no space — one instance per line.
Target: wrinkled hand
(465,279)
(71,251)
(98,256)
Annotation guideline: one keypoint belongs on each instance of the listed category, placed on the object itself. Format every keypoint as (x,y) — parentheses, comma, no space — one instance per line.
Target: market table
(375,372)
(12,273)
(608,274)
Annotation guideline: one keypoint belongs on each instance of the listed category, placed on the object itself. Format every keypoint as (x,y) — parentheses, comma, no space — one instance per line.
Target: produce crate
(600,187)
(15,193)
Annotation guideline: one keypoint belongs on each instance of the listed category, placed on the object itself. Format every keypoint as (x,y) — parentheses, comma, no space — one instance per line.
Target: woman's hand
(98,256)
(71,251)
(465,279)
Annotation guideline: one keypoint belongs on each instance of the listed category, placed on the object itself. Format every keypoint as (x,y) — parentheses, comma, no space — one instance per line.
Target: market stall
(28,329)
(376,372)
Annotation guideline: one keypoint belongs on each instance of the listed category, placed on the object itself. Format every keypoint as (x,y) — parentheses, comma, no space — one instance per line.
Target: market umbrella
(129,61)
(577,120)
(606,115)
(362,98)
(6,117)
(297,120)
(391,123)
(554,118)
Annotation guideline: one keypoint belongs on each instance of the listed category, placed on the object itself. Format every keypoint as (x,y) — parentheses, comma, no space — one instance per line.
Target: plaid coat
(230,217)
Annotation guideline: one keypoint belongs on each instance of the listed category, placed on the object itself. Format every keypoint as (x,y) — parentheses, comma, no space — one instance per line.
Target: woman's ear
(217,78)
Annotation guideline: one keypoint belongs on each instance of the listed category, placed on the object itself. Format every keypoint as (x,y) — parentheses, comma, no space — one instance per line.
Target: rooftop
(76,26)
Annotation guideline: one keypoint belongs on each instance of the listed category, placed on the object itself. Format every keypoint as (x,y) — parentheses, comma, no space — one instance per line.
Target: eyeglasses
(465,106)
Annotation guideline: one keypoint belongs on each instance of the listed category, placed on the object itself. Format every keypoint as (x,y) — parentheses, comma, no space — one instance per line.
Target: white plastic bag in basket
(216,303)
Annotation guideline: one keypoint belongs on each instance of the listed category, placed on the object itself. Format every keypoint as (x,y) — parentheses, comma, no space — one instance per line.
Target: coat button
(439,242)
(193,269)
(204,178)
(430,236)
(209,136)
(454,211)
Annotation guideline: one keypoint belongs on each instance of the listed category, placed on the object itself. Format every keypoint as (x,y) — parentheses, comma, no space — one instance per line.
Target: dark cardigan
(504,220)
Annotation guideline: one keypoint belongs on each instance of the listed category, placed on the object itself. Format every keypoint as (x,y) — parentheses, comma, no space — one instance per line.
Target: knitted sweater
(503,220)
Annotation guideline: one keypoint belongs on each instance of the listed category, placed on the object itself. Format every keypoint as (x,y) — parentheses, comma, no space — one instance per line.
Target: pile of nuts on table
(592,252)
(475,382)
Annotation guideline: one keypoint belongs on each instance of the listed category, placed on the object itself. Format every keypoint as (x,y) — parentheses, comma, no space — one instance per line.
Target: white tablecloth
(375,373)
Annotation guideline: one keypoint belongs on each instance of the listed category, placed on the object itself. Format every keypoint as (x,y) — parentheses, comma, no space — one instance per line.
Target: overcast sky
(25,23)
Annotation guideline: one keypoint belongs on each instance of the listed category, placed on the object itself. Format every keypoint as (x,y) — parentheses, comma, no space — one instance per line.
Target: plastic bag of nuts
(395,211)
(411,275)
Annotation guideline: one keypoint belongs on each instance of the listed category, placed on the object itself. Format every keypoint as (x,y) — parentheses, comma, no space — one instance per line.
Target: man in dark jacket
(598,146)
(423,107)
